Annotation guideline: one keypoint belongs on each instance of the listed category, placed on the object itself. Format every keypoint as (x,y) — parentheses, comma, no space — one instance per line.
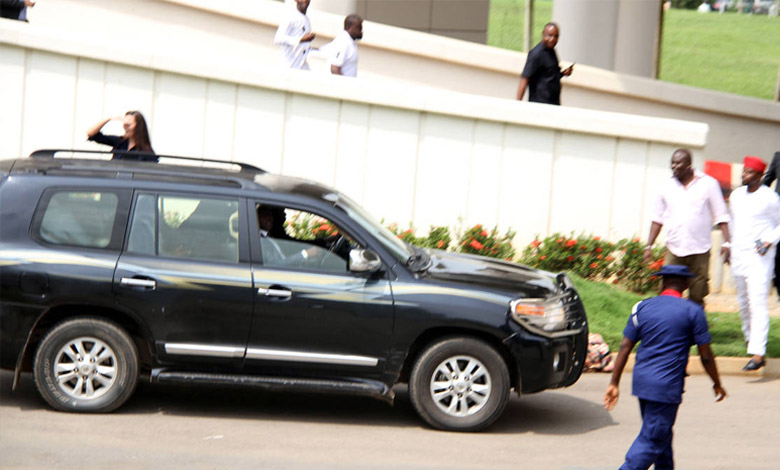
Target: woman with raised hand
(135,138)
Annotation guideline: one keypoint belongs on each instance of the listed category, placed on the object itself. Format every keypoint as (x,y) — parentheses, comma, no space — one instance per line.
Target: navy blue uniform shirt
(667,327)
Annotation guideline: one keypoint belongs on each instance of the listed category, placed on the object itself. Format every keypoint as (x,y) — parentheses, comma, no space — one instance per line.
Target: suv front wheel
(459,384)
(86,365)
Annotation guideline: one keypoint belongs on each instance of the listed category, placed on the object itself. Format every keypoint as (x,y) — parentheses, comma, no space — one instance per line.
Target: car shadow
(551,412)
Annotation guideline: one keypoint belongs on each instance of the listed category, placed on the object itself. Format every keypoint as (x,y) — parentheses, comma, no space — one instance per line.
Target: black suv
(226,274)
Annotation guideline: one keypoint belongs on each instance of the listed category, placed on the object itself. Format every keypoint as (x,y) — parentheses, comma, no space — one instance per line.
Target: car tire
(86,365)
(459,384)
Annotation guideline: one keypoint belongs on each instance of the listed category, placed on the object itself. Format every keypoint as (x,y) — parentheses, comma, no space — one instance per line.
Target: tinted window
(185,227)
(79,218)
(296,239)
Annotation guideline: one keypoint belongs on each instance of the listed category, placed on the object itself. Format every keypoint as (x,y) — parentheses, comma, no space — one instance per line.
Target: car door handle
(281,293)
(133,282)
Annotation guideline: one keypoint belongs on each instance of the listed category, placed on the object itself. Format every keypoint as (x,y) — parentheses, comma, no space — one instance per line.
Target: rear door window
(78,218)
(189,227)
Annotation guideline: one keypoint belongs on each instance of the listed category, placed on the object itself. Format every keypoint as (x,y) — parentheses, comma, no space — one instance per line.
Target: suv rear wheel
(459,384)
(86,365)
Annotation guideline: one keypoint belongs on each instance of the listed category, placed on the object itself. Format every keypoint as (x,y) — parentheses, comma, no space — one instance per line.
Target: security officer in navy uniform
(667,326)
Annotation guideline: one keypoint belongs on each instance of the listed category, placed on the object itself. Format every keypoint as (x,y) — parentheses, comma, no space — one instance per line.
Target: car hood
(515,280)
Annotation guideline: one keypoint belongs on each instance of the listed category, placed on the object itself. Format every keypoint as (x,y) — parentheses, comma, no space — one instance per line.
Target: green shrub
(478,241)
(438,238)
(631,271)
(592,258)
(306,226)
(589,256)
(686,4)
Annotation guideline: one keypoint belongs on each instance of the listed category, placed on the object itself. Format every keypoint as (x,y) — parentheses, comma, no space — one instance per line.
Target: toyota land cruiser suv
(111,271)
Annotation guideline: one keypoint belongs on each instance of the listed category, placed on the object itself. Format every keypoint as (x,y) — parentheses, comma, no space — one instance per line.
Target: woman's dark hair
(142,141)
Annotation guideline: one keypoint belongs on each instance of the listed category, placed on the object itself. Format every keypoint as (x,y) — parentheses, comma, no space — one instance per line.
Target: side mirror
(364,261)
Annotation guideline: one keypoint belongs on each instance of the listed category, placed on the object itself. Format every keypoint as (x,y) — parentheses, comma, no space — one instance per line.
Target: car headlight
(544,314)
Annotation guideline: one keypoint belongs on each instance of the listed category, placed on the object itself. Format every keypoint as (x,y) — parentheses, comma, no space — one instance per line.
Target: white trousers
(752,291)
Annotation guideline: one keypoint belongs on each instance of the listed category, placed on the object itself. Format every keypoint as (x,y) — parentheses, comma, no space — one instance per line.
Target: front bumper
(551,360)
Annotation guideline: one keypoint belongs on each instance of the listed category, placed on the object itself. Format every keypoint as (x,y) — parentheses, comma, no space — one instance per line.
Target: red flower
(542,257)
(535,243)
(636,240)
(407,231)
(615,281)
(478,226)
(593,265)
(440,244)
(582,247)
(598,249)
(324,227)
(559,240)
(464,243)
(476,245)
(609,258)
(598,257)
(570,258)
(597,238)
(571,243)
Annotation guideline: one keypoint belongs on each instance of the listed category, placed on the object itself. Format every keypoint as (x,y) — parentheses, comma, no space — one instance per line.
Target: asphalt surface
(211,428)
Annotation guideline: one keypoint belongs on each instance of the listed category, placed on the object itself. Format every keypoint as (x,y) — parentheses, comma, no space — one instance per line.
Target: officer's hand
(611,397)
(308,38)
(720,392)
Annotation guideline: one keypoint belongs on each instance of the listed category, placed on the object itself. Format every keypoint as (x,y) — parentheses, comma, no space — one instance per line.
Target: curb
(726,366)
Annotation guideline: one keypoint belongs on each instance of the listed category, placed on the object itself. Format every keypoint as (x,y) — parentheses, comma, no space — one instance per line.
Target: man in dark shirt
(15,9)
(542,72)
(667,326)
(773,173)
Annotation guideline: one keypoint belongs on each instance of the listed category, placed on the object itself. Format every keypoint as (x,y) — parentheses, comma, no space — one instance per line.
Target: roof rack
(51,153)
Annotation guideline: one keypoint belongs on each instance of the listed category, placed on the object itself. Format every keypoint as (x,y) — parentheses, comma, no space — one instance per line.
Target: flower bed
(588,256)
(592,258)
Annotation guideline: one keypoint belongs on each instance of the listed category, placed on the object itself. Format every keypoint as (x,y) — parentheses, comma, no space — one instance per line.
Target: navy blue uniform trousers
(653,445)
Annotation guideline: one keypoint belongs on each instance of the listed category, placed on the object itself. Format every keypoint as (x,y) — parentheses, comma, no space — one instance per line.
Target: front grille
(573,310)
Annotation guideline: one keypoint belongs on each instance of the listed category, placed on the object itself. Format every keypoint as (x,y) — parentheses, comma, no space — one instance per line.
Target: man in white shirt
(342,51)
(689,204)
(755,219)
(294,36)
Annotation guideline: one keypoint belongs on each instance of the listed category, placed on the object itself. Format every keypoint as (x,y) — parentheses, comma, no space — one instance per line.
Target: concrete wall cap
(435,47)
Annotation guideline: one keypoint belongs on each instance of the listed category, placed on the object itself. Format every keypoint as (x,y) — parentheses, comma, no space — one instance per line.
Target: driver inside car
(287,251)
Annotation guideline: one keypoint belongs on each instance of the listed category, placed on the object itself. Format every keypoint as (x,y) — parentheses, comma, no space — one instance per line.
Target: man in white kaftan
(755,224)
(294,36)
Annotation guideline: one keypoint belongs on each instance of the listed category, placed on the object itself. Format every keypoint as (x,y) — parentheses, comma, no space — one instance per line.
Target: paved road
(207,428)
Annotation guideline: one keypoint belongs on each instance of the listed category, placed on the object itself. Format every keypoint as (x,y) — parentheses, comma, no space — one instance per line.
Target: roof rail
(50,153)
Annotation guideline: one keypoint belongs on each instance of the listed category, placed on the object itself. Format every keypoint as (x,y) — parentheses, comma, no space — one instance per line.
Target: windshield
(400,250)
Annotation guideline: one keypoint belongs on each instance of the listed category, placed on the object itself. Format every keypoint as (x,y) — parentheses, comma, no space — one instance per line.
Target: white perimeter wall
(407,154)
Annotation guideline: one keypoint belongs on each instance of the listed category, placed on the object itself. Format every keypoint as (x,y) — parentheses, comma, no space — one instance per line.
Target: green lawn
(608,309)
(727,52)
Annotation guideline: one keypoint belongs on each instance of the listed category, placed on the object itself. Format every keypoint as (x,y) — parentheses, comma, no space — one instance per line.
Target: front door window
(291,238)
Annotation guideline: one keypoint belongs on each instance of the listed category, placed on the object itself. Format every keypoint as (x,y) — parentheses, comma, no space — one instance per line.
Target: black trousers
(777,272)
